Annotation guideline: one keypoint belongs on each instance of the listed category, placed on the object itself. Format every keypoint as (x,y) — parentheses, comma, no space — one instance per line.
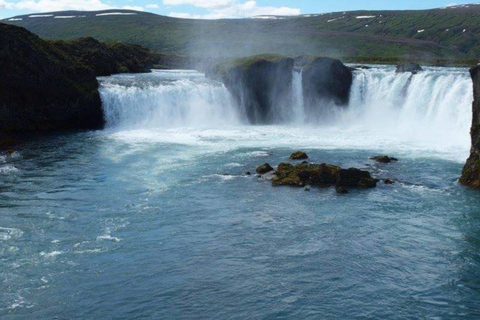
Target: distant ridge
(450,33)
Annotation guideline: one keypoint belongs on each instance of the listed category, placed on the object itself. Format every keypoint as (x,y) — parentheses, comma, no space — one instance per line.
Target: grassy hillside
(449,34)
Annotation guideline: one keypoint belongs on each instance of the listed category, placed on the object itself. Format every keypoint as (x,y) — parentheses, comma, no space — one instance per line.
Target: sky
(213,9)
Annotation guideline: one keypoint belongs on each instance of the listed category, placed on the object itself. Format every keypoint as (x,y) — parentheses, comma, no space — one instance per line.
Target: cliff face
(471,171)
(259,84)
(42,88)
(108,58)
(325,81)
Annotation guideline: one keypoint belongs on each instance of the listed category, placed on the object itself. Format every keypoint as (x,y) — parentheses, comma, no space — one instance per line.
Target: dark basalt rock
(258,84)
(384,159)
(471,171)
(321,176)
(305,174)
(355,178)
(299,155)
(388,181)
(42,88)
(414,68)
(265,168)
(341,190)
(108,58)
(326,80)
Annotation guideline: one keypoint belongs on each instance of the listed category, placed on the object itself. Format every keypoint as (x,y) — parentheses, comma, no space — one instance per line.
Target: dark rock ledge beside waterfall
(471,171)
(48,85)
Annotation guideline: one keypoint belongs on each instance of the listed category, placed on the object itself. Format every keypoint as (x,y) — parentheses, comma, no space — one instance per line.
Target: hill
(447,34)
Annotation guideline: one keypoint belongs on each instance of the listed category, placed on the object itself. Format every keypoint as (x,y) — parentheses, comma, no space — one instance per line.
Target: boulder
(265,168)
(299,155)
(355,178)
(388,181)
(42,88)
(341,190)
(325,80)
(414,68)
(471,171)
(259,84)
(384,159)
(305,174)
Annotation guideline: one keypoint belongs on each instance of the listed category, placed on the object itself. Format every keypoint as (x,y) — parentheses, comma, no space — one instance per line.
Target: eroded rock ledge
(257,83)
(42,88)
(471,171)
(52,85)
(262,85)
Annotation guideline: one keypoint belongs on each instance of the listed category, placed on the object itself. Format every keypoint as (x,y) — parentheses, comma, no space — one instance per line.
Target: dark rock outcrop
(414,68)
(355,178)
(265,168)
(322,175)
(42,88)
(384,159)
(108,58)
(299,155)
(471,171)
(259,84)
(326,80)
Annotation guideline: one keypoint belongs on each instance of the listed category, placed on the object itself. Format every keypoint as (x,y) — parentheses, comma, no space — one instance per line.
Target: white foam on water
(108,237)
(10,233)
(51,255)
(7,169)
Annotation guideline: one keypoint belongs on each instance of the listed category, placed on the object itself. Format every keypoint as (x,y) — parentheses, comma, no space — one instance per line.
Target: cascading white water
(432,106)
(166,99)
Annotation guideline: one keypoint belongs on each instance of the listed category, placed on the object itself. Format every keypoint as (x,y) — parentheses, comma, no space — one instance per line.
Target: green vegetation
(220,68)
(441,36)
(108,58)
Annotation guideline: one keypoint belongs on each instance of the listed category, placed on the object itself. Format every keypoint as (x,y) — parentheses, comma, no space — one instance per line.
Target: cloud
(59,5)
(219,9)
(152,6)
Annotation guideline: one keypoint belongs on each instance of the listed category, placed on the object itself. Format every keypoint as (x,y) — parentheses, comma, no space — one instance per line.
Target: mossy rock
(265,168)
(305,174)
(384,159)
(299,155)
(355,178)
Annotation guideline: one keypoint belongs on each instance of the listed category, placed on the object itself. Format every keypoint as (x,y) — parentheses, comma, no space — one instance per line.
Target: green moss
(222,67)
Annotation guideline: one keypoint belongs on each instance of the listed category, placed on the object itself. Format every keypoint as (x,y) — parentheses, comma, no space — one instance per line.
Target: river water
(154,217)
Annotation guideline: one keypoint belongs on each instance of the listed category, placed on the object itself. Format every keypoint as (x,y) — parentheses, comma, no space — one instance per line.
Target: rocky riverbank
(471,172)
(49,85)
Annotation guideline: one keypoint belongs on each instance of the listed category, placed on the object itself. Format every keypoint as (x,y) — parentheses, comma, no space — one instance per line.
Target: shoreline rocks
(471,171)
(42,87)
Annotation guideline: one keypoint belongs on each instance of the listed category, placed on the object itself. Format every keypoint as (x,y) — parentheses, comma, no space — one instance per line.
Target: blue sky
(218,8)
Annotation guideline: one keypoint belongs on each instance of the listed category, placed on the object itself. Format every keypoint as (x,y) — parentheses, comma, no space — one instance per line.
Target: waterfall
(434,104)
(166,99)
